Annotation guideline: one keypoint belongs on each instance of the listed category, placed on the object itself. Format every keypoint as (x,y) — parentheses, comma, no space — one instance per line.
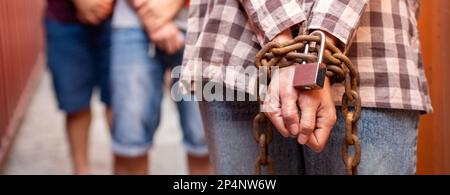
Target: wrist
(283,36)
(333,40)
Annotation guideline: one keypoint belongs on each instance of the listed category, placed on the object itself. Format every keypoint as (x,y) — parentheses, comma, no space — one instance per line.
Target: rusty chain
(339,70)
(263,139)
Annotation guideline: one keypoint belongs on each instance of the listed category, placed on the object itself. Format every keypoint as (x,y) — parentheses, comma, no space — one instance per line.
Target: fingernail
(302,139)
(294,129)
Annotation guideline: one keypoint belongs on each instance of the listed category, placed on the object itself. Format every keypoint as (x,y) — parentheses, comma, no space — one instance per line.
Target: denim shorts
(137,76)
(388,137)
(79,58)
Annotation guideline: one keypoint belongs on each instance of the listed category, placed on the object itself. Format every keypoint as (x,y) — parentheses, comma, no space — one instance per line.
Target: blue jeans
(137,92)
(232,148)
(388,137)
(79,59)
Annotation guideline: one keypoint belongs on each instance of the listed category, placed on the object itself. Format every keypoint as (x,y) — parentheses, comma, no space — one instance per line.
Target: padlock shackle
(306,52)
(323,38)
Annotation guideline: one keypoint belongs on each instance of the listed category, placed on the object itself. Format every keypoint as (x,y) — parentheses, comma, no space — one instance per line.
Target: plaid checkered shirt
(381,37)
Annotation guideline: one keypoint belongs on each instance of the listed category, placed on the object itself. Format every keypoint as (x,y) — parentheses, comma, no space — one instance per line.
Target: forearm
(270,18)
(337,18)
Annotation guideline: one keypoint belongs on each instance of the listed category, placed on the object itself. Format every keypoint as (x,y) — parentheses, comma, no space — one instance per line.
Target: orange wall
(434,135)
(20,48)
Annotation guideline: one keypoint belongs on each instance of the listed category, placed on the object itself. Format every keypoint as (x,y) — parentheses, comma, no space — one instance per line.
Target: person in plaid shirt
(380,37)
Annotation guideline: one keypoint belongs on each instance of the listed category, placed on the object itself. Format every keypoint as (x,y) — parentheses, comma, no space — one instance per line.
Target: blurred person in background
(147,40)
(78,49)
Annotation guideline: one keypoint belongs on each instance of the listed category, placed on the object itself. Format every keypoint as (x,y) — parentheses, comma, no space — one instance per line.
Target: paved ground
(41,147)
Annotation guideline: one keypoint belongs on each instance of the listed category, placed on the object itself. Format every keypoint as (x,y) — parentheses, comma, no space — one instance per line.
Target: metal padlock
(311,75)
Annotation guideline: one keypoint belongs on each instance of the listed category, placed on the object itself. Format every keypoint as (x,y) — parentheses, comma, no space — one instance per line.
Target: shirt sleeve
(340,18)
(269,18)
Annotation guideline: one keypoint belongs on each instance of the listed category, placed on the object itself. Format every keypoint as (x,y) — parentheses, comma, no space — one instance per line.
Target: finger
(160,45)
(170,46)
(325,122)
(156,36)
(290,115)
(107,5)
(102,14)
(105,10)
(289,108)
(149,28)
(144,9)
(318,140)
(157,39)
(178,45)
(90,16)
(308,107)
(153,5)
(168,41)
(272,108)
(158,23)
(179,41)
(137,3)
(92,19)
(277,121)
(272,105)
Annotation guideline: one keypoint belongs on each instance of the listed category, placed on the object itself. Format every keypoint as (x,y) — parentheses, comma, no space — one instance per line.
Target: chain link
(263,138)
(339,70)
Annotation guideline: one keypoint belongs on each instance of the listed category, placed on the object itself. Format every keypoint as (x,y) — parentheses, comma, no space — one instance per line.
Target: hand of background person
(156,13)
(284,103)
(93,12)
(168,38)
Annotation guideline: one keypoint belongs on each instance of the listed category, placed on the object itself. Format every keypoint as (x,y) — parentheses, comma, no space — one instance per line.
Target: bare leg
(77,125)
(199,165)
(131,166)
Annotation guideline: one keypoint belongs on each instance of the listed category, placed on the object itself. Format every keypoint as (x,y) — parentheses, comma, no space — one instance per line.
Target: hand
(156,13)
(284,104)
(168,38)
(318,116)
(93,12)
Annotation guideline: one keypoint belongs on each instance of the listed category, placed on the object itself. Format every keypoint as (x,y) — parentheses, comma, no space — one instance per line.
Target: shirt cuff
(274,17)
